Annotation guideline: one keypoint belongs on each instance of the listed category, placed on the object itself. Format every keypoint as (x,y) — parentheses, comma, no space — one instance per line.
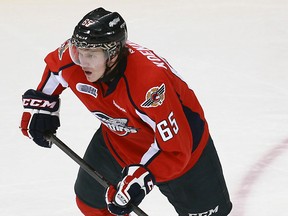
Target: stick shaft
(85,166)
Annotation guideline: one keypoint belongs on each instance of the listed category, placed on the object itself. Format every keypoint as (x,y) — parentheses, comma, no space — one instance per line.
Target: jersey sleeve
(162,108)
(172,132)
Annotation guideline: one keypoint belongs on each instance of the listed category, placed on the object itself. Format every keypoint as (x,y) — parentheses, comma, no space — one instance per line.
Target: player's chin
(91,77)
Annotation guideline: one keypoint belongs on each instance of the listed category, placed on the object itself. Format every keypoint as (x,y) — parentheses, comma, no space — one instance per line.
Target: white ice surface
(233,53)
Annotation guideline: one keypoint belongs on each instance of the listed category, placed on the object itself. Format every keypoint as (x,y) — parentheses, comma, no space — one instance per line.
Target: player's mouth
(87,73)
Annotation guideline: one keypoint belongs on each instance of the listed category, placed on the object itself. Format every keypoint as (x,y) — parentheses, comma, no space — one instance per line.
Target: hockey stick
(85,166)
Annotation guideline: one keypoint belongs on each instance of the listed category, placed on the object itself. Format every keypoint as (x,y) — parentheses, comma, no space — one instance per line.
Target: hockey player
(153,130)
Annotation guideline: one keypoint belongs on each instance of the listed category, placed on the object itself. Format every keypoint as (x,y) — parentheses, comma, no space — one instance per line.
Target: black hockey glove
(136,182)
(40,116)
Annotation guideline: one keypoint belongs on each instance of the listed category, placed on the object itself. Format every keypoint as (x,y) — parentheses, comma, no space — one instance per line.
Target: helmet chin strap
(109,72)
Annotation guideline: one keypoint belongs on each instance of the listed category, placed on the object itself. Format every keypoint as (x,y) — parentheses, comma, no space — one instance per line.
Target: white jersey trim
(53,82)
(146,119)
(154,149)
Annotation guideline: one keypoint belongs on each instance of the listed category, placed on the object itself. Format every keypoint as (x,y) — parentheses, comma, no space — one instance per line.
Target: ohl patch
(87,89)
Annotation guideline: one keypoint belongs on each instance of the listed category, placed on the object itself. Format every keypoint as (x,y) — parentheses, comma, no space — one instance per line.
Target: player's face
(93,61)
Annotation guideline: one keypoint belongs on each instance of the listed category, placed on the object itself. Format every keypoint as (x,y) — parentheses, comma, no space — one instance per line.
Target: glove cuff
(137,170)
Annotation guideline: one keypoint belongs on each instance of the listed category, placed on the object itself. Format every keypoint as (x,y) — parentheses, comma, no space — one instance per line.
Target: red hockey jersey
(148,114)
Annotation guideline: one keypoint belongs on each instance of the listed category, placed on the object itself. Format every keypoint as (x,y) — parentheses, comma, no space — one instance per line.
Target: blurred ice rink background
(234,54)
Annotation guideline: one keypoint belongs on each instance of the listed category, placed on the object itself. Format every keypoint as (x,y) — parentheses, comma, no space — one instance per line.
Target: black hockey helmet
(101,28)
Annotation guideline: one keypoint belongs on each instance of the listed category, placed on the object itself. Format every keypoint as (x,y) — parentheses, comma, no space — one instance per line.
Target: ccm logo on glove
(28,102)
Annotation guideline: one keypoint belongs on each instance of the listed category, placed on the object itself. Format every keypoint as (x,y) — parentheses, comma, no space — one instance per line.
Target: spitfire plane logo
(117,125)
(154,97)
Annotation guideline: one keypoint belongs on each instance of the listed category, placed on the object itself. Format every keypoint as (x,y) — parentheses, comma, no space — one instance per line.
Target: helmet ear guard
(113,49)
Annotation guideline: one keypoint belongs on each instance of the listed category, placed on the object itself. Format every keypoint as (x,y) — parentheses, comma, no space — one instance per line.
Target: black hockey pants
(200,191)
